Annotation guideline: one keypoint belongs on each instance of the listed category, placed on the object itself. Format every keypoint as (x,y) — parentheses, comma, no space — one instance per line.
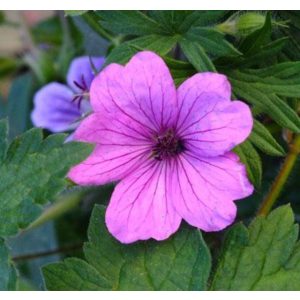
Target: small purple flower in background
(57,107)
(170,149)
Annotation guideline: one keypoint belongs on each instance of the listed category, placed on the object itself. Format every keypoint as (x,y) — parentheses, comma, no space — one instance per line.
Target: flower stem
(281,178)
(60,207)
(65,249)
(67,40)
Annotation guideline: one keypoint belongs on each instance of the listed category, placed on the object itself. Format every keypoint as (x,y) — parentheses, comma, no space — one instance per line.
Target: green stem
(60,207)
(281,178)
(65,249)
(92,21)
(67,40)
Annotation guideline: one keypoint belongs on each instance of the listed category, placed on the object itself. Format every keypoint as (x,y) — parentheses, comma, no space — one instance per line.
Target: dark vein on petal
(140,107)
(189,111)
(210,164)
(205,141)
(116,167)
(158,179)
(180,187)
(133,129)
(181,131)
(162,106)
(204,179)
(191,185)
(141,190)
(117,132)
(203,131)
(151,102)
(124,112)
(126,145)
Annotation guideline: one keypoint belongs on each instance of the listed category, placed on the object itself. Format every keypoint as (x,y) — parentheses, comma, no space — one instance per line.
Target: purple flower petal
(143,90)
(54,109)
(208,121)
(81,73)
(141,205)
(121,148)
(204,189)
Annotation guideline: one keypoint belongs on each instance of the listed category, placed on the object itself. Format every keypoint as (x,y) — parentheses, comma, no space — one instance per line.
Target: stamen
(84,83)
(78,98)
(84,91)
(81,87)
(167,145)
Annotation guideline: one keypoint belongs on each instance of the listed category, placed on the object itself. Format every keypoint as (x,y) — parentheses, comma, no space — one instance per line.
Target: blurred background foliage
(37,47)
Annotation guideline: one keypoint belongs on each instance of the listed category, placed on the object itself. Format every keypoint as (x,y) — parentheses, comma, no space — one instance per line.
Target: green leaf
(263,56)
(19,104)
(198,42)
(180,70)
(129,22)
(8,274)
(249,156)
(263,93)
(170,20)
(262,139)
(202,18)
(212,41)
(258,38)
(180,263)
(285,70)
(266,53)
(266,256)
(156,43)
(74,274)
(196,55)
(179,22)
(32,172)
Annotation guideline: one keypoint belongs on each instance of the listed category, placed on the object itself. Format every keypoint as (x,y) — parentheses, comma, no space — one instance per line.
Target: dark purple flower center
(83,90)
(167,145)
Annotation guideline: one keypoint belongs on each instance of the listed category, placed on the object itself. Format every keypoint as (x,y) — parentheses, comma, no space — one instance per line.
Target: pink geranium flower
(169,149)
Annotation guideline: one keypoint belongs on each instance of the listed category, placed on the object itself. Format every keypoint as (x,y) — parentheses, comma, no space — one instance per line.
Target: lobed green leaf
(265,256)
(32,172)
(180,263)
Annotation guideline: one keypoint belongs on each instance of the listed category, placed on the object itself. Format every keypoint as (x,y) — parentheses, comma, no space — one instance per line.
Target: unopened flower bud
(249,22)
(241,25)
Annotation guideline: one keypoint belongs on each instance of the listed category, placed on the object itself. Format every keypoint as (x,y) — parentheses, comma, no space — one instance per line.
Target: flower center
(167,145)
